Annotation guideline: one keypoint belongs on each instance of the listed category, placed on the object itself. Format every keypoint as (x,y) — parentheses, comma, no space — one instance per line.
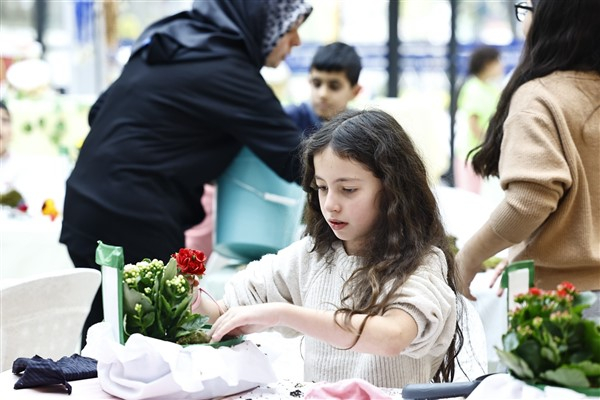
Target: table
(286,360)
(89,389)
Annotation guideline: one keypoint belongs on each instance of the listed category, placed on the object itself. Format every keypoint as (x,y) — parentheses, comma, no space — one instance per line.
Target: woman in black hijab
(189,98)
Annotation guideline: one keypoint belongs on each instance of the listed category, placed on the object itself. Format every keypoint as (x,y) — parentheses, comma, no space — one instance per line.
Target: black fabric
(38,371)
(164,129)
(204,28)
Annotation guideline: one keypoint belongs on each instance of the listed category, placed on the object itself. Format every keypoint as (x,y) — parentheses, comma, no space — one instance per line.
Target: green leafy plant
(157,298)
(548,341)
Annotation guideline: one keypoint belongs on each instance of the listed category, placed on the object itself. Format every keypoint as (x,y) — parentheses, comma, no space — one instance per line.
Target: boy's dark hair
(336,57)
(481,57)
(3,106)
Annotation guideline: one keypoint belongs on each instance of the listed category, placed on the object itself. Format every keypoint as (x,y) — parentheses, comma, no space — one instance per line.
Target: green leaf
(589,368)
(510,341)
(550,355)
(516,364)
(132,297)
(193,324)
(566,376)
(170,270)
(530,350)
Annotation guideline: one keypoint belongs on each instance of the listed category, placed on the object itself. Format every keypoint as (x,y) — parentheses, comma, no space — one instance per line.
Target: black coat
(173,121)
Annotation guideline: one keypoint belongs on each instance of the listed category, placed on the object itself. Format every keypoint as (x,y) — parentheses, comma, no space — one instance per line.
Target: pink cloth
(347,389)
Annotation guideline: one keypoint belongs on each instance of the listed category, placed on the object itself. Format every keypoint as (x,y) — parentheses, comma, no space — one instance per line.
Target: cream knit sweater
(296,276)
(550,171)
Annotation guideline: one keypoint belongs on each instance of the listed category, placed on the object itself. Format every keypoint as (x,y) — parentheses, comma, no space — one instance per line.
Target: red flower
(535,291)
(190,261)
(567,286)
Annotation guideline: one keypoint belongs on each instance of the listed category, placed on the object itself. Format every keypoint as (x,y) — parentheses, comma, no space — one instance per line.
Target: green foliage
(548,340)
(156,301)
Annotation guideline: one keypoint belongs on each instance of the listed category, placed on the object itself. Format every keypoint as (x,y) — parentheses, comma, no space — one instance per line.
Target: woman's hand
(247,319)
(498,270)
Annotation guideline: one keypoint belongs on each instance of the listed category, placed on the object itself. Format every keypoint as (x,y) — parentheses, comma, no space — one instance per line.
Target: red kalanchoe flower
(190,261)
(566,286)
(535,291)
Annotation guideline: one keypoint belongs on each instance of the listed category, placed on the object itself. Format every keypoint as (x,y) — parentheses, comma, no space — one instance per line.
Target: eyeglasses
(521,10)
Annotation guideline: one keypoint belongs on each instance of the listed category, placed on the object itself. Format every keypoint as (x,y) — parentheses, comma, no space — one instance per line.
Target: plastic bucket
(257,212)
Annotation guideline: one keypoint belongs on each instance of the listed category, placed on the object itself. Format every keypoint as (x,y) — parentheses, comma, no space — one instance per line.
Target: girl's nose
(331,203)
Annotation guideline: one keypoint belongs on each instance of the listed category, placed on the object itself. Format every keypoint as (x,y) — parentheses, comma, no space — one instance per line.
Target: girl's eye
(349,190)
(321,188)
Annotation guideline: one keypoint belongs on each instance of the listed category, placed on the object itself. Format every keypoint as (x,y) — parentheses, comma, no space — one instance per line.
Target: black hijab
(206,30)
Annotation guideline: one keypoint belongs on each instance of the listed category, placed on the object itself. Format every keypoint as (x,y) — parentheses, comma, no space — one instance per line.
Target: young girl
(372,284)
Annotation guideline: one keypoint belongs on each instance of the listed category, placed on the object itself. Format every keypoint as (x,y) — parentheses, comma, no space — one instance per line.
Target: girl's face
(349,198)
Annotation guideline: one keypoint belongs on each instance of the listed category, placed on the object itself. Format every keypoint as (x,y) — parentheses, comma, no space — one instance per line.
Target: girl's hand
(247,319)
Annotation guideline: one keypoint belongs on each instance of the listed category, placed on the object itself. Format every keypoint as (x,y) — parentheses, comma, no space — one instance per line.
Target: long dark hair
(409,222)
(563,36)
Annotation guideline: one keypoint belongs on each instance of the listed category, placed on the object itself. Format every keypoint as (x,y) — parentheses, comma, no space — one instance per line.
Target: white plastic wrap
(148,368)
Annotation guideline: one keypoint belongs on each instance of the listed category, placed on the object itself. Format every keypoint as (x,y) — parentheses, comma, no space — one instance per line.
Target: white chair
(43,315)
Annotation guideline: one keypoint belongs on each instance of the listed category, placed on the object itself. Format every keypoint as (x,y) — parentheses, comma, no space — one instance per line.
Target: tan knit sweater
(550,171)
(296,276)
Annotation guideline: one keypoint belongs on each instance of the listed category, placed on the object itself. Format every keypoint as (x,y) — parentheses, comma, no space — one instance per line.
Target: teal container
(257,212)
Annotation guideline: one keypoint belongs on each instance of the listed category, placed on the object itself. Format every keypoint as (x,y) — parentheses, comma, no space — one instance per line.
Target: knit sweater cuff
(522,211)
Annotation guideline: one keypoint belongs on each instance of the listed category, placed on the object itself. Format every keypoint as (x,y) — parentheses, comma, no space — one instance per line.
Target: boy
(333,80)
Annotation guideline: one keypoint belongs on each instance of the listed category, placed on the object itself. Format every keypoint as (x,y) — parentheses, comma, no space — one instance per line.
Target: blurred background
(57,56)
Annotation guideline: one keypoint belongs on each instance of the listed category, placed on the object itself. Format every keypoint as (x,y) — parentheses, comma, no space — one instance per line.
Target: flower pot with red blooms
(157,299)
(548,341)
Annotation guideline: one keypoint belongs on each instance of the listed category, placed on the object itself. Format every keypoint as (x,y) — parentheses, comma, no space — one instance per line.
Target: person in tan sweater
(544,144)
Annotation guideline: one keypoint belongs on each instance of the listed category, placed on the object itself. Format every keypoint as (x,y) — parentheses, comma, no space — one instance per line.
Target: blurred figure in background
(543,143)
(477,102)
(189,98)
(333,79)
(9,170)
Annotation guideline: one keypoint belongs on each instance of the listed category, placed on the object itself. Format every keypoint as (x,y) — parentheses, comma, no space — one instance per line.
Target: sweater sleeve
(427,297)
(273,278)
(532,167)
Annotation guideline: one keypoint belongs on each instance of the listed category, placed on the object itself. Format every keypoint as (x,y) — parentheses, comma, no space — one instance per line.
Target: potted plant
(548,341)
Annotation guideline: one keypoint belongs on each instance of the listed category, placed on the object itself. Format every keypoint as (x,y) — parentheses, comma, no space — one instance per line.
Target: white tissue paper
(504,386)
(148,368)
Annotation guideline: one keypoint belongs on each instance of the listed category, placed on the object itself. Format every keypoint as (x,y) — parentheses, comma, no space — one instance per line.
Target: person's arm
(386,335)
(475,128)
(267,129)
(205,304)
(481,246)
